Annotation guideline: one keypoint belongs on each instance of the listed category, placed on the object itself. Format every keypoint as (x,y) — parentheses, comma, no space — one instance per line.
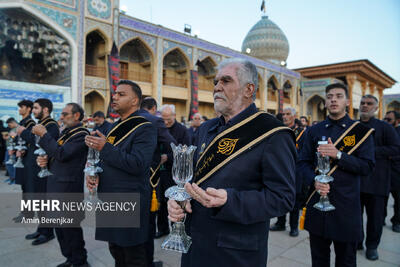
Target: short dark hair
(279,116)
(337,85)
(26,103)
(99,114)
(148,103)
(371,97)
(77,108)
(304,117)
(395,113)
(11,120)
(135,88)
(45,103)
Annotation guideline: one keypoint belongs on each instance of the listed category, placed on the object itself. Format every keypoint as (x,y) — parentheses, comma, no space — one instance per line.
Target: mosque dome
(266,41)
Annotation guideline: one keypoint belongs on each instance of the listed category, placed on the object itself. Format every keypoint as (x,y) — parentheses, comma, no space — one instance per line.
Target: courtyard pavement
(283,250)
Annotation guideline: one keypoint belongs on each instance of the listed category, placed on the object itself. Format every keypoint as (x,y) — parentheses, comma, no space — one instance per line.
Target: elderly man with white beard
(244,175)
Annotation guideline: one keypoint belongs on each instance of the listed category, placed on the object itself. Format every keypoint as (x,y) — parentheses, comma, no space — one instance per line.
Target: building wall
(75,19)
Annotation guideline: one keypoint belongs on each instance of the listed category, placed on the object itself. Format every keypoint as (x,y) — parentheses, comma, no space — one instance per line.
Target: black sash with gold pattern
(235,140)
(48,121)
(348,142)
(351,139)
(65,137)
(29,123)
(123,129)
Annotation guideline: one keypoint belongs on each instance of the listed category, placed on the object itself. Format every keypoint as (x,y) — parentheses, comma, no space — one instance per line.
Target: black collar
(343,122)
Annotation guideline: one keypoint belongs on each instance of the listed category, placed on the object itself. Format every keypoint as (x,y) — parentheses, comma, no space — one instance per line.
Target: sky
(319,31)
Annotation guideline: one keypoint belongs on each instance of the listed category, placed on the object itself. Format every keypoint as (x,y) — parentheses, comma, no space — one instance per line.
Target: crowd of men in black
(141,160)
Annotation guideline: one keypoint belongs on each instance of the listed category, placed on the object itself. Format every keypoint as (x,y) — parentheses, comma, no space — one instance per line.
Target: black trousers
(396,208)
(293,215)
(133,256)
(150,241)
(162,214)
(321,252)
(72,244)
(374,207)
(396,216)
(293,219)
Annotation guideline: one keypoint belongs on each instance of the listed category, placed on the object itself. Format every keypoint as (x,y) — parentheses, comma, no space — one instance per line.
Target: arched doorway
(287,92)
(135,61)
(316,108)
(175,69)
(95,55)
(94,102)
(206,71)
(272,95)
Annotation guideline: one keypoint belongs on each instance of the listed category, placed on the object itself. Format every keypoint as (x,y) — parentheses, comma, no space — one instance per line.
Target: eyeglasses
(387,119)
(65,113)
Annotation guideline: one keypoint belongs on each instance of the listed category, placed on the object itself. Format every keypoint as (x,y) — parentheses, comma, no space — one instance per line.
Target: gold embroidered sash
(123,129)
(235,140)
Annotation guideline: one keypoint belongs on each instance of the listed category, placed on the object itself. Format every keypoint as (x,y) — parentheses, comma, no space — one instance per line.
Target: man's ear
(249,90)
(76,116)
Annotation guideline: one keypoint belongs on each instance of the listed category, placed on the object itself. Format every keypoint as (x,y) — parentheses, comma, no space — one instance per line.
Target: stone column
(364,86)
(350,83)
(380,112)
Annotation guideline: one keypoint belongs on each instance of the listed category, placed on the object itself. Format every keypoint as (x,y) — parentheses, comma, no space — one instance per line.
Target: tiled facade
(74,19)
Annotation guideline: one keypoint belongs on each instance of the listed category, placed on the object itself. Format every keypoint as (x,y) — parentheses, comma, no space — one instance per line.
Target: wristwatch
(339,155)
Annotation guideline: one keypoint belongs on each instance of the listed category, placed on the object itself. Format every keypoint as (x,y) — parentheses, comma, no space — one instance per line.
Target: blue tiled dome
(266,41)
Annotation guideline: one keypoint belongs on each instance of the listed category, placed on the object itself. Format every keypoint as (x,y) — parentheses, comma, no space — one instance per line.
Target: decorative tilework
(99,8)
(30,95)
(92,24)
(172,35)
(95,83)
(203,54)
(392,97)
(116,26)
(67,4)
(195,57)
(80,49)
(125,35)
(100,91)
(169,45)
(276,74)
(66,21)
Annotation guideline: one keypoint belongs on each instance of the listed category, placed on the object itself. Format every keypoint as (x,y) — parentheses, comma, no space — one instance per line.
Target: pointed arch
(108,43)
(287,91)
(62,32)
(315,107)
(272,87)
(181,52)
(206,71)
(136,60)
(176,68)
(142,41)
(94,101)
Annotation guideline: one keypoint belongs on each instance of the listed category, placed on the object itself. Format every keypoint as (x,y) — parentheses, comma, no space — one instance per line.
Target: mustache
(219,95)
